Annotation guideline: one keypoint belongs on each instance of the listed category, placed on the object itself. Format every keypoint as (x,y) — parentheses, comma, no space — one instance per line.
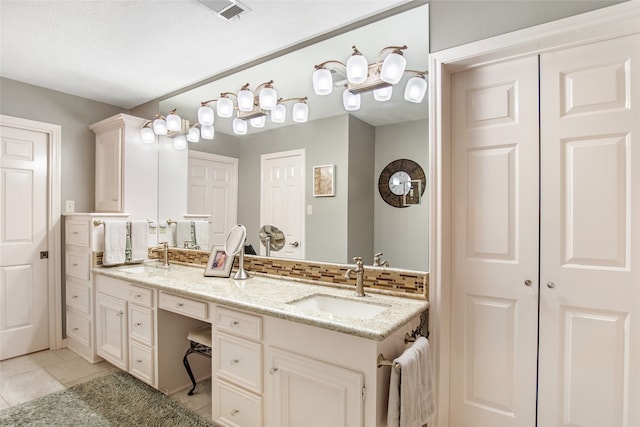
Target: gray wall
(74,114)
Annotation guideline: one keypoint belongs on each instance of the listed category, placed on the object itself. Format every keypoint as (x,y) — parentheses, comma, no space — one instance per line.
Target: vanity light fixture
(252,106)
(174,127)
(378,77)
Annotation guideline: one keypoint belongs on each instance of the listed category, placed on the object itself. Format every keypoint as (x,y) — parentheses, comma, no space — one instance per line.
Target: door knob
(295,244)
(551,285)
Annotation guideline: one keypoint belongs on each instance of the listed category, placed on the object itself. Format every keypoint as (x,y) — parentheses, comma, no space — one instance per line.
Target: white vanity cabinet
(81,239)
(111,329)
(126,170)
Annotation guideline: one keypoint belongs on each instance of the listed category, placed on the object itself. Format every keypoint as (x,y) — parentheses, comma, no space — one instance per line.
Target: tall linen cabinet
(545,239)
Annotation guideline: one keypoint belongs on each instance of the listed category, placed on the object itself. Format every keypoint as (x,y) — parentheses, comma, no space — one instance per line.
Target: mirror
(355,221)
(272,238)
(234,244)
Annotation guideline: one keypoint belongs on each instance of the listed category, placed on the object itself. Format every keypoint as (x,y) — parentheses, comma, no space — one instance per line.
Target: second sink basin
(340,306)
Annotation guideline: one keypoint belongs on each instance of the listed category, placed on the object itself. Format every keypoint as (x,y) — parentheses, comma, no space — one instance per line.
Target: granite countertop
(270,295)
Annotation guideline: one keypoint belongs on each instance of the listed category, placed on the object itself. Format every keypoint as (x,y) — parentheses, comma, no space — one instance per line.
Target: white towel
(411,395)
(139,241)
(183,233)
(115,242)
(202,234)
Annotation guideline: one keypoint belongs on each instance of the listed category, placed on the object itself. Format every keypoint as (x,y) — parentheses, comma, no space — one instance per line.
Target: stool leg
(185,361)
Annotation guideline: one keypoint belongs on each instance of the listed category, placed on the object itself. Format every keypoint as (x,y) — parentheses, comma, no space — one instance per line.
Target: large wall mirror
(352,221)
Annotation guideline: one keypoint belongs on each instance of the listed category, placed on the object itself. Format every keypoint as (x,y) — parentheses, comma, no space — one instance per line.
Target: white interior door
(24,287)
(282,200)
(213,190)
(494,264)
(590,232)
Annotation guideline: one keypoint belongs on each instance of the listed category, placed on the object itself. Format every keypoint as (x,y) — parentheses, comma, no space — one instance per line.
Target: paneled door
(282,200)
(590,235)
(24,287)
(494,260)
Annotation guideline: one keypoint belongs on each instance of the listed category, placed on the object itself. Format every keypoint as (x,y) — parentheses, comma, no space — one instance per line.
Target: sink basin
(339,306)
(135,269)
(143,268)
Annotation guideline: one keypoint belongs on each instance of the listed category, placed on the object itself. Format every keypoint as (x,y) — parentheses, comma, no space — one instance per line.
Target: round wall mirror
(272,238)
(235,240)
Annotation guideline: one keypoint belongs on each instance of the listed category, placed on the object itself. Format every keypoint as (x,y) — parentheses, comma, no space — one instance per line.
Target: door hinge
(364,393)
(44,254)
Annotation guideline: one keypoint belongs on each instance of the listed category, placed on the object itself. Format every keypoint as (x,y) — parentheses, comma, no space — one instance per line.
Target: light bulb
(393,68)
(239,126)
(279,114)
(179,142)
(224,107)
(160,126)
(350,101)
(357,68)
(300,112)
(148,137)
(415,90)
(205,115)
(173,122)
(383,94)
(258,122)
(207,132)
(245,100)
(268,98)
(322,81)
(194,134)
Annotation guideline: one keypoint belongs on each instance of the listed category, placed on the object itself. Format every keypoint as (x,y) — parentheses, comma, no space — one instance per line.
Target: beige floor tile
(65,354)
(200,398)
(27,386)
(29,362)
(205,412)
(81,380)
(72,370)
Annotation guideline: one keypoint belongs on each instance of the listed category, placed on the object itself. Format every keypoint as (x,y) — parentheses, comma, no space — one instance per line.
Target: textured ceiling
(128,52)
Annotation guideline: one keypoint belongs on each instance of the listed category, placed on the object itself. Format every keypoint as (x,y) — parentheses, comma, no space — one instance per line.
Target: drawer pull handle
(273,370)
(235,361)
(139,324)
(74,296)
(235,412)
(75,232)
(75,329)
(74,265)
(138,296)
(179,305)
(235,323)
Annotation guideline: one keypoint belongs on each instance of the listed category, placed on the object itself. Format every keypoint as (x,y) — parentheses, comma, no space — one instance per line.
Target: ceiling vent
(226,9)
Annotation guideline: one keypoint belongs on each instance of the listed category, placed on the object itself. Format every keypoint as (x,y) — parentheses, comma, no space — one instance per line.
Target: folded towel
(139,241)
(183,233)
(202,234)
(411,394)
(115,242)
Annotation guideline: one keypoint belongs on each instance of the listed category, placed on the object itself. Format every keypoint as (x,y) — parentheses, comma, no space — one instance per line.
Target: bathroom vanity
(285,352)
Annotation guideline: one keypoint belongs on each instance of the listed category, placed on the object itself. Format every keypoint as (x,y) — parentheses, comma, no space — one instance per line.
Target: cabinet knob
(235,412)
(138,296)
(294,244)
(120,313)
(273,370)
(235,361)
(75,329)
(551,285)
(74,296)
(235,323)
(179,305)
(139,324)
(528,282)
(138,361)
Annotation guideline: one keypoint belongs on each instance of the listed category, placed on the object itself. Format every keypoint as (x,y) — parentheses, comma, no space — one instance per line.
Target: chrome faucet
(377,262)
(359,270)
(165,255)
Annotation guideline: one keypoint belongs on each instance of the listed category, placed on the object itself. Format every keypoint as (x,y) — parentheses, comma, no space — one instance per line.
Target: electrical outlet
(69,206)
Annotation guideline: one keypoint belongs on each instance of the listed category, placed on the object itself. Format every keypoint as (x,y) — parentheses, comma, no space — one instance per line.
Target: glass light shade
(159,126)
(179,142)
(224,107)
(173,122)
(322,81)
(393,67)
(268,98)
(239,126)
(205,115)
(383,94)
(148,137)
(207,132)
(350,101)
(300,112)
(279,114)
(258,122)
(194,134)
(245,100)
(415,90)
(357,69)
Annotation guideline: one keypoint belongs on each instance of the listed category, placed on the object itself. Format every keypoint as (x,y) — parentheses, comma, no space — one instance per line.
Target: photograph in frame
(219,264)
(323,181)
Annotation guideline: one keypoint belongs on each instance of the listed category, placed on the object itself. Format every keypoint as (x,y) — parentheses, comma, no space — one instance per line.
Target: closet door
(494,260)
(590,236)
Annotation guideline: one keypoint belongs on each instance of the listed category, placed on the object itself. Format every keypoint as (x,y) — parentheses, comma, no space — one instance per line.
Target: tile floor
(37,374)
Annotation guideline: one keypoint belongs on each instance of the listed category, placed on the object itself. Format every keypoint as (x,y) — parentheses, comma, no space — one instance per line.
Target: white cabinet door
(111,329)
(301,390)
(494,264)
(109,189)
(590,217)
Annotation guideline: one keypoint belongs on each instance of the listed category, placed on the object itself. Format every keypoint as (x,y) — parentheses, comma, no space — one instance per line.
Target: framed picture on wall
(219,264)
(323,181)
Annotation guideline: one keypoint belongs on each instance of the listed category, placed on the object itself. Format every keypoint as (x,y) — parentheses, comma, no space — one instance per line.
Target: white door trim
(54,244)
(610,22)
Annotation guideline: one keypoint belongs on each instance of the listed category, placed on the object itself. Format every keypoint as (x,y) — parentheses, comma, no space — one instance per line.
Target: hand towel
(139,241)
(202,234)
(411,394)
(115,242)
(183,233)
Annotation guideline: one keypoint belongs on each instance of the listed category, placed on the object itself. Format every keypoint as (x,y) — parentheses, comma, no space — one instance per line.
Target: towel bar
(382,361)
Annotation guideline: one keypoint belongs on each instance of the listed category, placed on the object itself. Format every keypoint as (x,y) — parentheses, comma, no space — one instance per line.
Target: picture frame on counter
(219,263)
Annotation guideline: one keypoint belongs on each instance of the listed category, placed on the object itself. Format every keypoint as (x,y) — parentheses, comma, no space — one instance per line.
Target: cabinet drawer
(79,329)
(239,361)
(142,296)
(141,362)
(141,324)
(78,296)
(78,264)
(235,407)
(77,233)
(240,324)
(185,306)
